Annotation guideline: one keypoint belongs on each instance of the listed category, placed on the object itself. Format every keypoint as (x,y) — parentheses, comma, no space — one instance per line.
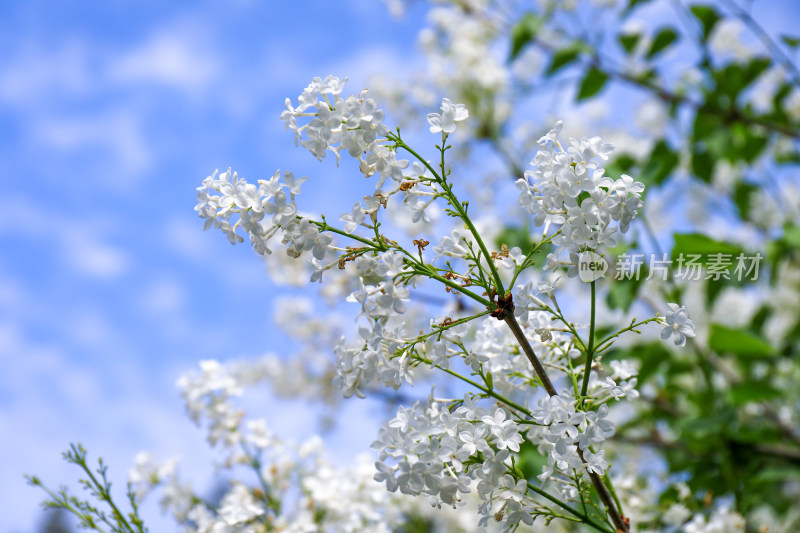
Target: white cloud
(186,236)
(173,56)
(92,101)
(11,295)
(93,258)
(34,75)
(164,297)
(118,135)
(37,73)
(83,246)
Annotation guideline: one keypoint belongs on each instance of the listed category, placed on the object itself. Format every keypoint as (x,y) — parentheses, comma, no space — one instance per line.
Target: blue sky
(110,116)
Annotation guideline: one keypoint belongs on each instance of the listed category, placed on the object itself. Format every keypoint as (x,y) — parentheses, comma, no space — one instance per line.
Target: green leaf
(735,77)
(632,4)
(519,236)
(745,143)
(760,318)
(664,38)
(703,245)
(592,83)
(791,42)
(623,292)
(741,197)
(752,391)
(788,157)
(524,32)
(703,163)
(629,41)
(705,124)
(622,164)
(791,236)
(787,245)
(661,163)
(738,342)
(707,16)
(530,461)
(775,474)
(563,57)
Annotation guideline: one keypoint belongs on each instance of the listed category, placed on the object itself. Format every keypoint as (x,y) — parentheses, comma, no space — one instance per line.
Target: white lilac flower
(595,462)
(353,124)
(239,198)
(623,369)
(259,434)
(353,219)
(239,506)
(452,245)
(679,326)
(505,430)
(146,474)
(550,192)
(446,121)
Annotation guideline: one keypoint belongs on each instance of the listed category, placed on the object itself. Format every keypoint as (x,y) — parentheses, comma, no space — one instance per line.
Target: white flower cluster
(252,205)
(382,302)
(146,473)
(299,490)
(207,395)
(354,124)
(564,431)
(620,384)
(369,362)
(430,449)
(723,520)
(567,187)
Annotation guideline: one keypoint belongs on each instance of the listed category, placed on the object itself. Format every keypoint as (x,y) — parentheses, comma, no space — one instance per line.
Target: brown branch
(620,522)
(732,114)
(527,349)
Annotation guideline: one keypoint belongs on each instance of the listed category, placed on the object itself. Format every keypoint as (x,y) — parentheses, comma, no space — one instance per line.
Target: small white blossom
(679,326)
(446,121)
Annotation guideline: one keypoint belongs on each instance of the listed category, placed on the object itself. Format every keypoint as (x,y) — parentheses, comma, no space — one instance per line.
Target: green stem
(486,390)
(601,489)
(323,226)
(453,201)
(589,349)
(586,519)
(106,496)
(426,270)
(610,485)
(605,496)
(63,503)
(607,342)
(463,215)
(453,285)
(452,324)
(255,463)
(525,264)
